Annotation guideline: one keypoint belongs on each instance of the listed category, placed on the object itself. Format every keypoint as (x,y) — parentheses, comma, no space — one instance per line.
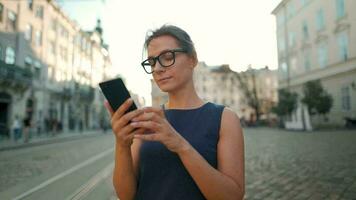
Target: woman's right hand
(121,127)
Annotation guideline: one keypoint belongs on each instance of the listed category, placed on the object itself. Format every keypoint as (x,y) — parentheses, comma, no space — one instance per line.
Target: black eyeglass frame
(155,59)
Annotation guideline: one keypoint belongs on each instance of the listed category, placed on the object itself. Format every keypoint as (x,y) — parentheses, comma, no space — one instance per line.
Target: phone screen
(116,93)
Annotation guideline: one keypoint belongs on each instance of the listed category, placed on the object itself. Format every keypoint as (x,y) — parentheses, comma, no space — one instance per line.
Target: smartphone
(116,93)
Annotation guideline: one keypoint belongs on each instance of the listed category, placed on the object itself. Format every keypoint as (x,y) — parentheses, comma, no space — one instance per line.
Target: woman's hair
(179,34)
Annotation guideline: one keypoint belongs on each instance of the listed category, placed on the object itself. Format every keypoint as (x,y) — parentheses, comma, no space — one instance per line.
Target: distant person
(26,130)
(16,128)
(189,149)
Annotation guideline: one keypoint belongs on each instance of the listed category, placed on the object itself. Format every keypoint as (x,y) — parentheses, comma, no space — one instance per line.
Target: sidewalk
(8,144)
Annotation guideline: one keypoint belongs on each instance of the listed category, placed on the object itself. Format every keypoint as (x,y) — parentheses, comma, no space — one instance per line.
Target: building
(220,84)
(50,68)
(317,40)
(262,85)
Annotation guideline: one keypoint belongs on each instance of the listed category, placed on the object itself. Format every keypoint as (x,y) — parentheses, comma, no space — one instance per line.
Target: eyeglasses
(165,59)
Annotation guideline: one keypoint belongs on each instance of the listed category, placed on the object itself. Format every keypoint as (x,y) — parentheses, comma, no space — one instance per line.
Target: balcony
(14,76)
(86,93)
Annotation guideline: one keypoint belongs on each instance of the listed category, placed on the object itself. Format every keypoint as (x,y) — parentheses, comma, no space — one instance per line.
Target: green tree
(316,98)
(287,103)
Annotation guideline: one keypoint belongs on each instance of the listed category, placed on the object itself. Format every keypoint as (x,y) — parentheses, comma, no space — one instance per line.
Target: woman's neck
(184,98)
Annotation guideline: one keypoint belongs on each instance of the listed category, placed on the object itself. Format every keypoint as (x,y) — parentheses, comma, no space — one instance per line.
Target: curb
(52,140)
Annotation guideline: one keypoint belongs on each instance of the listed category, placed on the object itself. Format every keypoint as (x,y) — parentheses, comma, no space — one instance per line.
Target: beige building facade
(317,40)
(61,63)
(220,84)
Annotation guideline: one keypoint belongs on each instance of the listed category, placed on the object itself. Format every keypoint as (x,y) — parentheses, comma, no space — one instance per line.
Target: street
(279,165)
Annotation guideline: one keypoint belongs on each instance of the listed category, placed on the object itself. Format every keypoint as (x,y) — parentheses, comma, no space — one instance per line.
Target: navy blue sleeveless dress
(162,175)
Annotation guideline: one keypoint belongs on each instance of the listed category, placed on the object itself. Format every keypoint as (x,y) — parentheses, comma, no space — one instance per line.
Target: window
(342,40)
(39,12)
(320,20)
(12,20)
(10,55)
(281,44)
(38,38)
(292,39)
(346,98)
(305,30)
(54,25)
(290,10)
(340,8)
(1,11)
(28,61)
(283,69)
(1,52)
(28,32)
(52,48)
(293,65)
(280,18)
(303,2)
(307,59)
(38,67)
(30,4)
(322,55)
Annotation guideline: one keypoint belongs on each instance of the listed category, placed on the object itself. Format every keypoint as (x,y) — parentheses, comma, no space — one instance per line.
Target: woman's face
(174,77)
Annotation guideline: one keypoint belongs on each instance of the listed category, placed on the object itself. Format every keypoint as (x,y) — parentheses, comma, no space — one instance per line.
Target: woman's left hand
(154,120)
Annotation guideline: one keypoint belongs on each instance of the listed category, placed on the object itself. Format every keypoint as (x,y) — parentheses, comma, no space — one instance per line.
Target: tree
(250,90)
(287,103)
(316,98)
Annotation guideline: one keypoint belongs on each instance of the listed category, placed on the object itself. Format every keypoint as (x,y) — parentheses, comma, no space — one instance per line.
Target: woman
(188,149)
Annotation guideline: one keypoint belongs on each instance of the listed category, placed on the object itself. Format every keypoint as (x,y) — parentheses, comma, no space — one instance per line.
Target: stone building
(50,68)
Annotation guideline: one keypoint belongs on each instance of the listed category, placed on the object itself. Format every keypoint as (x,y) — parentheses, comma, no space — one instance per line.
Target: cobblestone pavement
(300,165)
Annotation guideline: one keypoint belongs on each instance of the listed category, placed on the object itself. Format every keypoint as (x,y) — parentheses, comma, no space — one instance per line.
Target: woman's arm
(125,170)
(126,151)
(228,181)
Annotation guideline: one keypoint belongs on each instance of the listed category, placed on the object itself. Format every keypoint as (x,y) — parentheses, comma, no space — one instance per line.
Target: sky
(234,32)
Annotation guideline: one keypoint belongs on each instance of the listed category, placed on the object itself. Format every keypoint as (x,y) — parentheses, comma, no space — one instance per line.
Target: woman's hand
(160,130)
(123,130)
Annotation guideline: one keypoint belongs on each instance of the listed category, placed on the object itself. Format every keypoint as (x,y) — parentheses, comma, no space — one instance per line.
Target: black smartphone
(116,93)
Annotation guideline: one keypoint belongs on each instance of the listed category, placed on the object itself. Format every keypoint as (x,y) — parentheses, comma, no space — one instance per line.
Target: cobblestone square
(282,164)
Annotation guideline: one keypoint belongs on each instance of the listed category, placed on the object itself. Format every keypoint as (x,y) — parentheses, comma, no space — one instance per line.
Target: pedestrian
(185,149)
(16,127)
(26,130)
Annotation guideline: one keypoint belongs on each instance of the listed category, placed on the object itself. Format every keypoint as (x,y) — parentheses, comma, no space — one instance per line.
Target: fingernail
(134,123)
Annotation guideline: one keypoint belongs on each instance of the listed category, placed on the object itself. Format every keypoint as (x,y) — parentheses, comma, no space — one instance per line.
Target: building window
(307,61)
(283,69)
(281,45)
(323,55)
(342,40)
(280,19)
(30,4)
(303,2)
(28,32)
(52,48)
(10,55)
(39,12)
(1,11)
(293,65)
(346,98)
(305,30)
(290,10)
(54,25)
(320,20)
(12,20)
(38,67)
(1,52)
(292,39)
(28,61)
(38,38)
(340,8)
